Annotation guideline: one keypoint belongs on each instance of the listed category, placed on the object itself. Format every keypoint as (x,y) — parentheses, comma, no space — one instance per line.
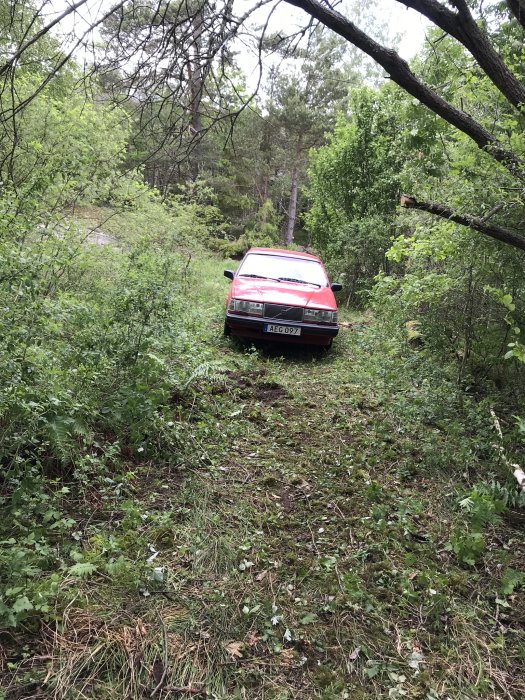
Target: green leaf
(13,591)
(506,300)
(308,619)
(372,671)
(511,580)
(82,569)
(502,603)
(21,604)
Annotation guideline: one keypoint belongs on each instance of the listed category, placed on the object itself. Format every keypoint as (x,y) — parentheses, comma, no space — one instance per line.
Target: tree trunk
(264,193)
(196,83)
(468,315)
(292,206)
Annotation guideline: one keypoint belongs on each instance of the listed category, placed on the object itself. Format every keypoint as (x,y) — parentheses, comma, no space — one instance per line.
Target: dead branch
(499,233)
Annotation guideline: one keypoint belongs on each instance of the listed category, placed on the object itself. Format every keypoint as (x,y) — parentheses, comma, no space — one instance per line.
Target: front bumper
(252,327)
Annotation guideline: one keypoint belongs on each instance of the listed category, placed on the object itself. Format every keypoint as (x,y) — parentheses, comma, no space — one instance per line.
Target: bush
(94,341)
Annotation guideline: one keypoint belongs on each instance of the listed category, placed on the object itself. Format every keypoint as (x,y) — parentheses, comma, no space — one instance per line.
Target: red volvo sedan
(281,295)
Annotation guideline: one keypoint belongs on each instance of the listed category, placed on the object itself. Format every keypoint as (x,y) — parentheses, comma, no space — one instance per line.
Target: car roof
(281,251)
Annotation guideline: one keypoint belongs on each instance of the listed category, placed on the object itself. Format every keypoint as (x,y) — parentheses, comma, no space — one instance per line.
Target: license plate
(281,330)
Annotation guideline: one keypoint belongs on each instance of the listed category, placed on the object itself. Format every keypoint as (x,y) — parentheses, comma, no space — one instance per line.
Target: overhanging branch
(504,235)
(462,26)
(8,65)
(400,72)
(517,7)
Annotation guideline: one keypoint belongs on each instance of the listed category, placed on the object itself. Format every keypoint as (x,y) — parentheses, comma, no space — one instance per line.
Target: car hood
(288,293)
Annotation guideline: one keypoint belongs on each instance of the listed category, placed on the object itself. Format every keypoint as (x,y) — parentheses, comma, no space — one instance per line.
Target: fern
(82,569)
(213,371)
(61,433)
(511,580)
(510,496)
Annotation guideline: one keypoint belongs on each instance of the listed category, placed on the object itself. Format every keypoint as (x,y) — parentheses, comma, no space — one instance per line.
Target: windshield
(283,269)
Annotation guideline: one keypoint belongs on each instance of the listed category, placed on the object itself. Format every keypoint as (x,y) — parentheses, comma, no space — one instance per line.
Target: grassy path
(304,547)
(322,551)
(316,550)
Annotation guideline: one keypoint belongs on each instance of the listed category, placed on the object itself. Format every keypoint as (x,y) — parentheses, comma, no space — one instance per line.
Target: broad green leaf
(21,604)
(308,619)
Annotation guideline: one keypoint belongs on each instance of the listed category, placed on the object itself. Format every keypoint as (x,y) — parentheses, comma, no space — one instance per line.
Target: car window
(283,268)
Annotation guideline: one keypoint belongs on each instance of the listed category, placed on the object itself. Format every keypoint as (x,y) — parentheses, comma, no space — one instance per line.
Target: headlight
(246,307)
(320,316)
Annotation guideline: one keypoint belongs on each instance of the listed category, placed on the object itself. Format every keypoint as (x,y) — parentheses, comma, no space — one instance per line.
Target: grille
(284,313)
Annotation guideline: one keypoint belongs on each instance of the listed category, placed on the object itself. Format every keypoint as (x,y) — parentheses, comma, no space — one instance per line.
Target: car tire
(326,348)
(227,329)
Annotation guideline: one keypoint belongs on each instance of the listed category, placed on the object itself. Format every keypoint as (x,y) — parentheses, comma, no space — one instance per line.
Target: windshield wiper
(259,277)
(292,279)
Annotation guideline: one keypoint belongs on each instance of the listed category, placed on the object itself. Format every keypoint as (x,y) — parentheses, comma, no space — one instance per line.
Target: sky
(407,24)
(402,21)
(404,26)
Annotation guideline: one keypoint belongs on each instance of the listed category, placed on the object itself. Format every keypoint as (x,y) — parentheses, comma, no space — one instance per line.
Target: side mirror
(228,274)
(336,286)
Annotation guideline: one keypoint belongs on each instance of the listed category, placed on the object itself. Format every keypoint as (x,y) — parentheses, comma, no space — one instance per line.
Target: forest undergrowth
(296,525)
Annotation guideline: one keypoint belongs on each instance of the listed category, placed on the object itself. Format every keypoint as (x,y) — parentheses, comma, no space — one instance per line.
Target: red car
(281,295)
